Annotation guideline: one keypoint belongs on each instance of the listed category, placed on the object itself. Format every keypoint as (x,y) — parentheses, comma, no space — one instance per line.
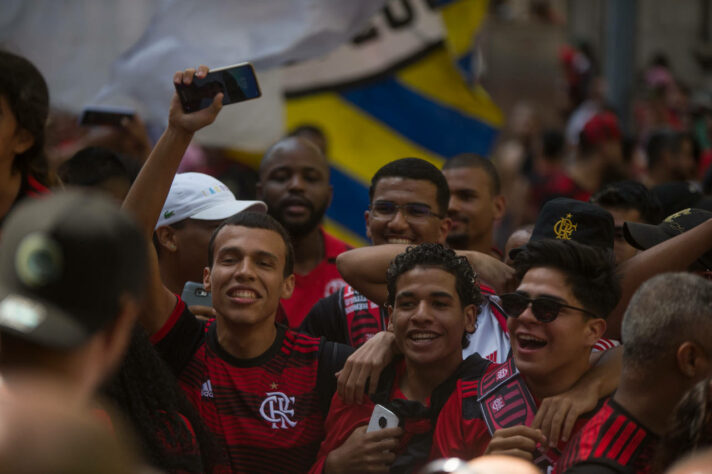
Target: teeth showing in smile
(243,294)
(528,341)
(423,336)
(399,241)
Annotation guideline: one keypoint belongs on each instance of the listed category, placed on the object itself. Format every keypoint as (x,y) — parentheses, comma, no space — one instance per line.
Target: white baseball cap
(200,196)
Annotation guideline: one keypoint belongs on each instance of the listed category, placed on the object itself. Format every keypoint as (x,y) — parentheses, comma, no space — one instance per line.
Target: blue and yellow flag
(404,87)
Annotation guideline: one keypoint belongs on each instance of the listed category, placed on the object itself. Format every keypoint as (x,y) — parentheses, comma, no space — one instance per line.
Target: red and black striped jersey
(347,317)
(613,441)
(268,411)
(498,399)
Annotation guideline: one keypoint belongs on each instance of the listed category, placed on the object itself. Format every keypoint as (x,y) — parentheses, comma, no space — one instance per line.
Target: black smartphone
(195,294)
(237,82)
(105,115)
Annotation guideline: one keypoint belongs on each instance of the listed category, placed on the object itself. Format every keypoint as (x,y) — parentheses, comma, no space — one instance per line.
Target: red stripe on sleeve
(170,322)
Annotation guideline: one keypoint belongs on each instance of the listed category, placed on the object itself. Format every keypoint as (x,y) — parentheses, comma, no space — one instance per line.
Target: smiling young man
(555,318)
(262,389)
(294,182)
(433,303)
(409,199)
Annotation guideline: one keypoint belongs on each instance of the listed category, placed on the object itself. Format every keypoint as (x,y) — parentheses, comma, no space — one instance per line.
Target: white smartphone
(382,418)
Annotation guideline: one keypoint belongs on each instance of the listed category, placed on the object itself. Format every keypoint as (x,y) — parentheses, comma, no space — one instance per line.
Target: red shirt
(501,392)
(344,419)
(322,281)
(612,438)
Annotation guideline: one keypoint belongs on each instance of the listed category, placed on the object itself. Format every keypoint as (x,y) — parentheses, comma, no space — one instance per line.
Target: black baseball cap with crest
(66,262)
(643,236)
(570,219)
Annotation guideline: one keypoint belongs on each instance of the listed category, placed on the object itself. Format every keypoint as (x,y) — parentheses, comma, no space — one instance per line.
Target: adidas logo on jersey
(206,390)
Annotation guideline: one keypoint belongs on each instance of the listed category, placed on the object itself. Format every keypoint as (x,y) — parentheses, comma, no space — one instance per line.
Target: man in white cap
(196,205)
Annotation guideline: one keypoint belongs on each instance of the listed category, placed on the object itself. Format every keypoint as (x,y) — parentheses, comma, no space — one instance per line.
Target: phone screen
(112,116)
(238,83)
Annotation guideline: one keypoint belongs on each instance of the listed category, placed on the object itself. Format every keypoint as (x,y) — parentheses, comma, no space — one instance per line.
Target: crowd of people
(152,322)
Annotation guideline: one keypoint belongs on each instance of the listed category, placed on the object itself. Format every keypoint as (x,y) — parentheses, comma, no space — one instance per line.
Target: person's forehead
(546,281)
(250,240)
(467,178)
(405,190)
(294,154)
(425,280)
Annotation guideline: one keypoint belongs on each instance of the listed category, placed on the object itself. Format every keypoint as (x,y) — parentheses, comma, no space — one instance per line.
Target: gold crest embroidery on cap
(671,219)
(564,228)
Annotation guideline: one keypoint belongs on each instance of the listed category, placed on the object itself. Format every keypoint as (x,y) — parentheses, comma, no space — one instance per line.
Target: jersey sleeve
(332,357)
(179,338)
(326,319)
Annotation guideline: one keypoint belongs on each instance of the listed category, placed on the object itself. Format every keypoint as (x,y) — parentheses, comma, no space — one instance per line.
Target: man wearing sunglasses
(555,317)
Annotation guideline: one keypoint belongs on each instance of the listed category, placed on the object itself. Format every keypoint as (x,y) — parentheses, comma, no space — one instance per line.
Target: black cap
(65,262)
(644,236)
(569,219)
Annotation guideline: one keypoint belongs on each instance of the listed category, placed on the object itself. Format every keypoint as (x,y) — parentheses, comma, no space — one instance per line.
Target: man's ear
(390,317)
(499,204)
(691,360)
(22,141)
(166,236)
(470,318)
(206,278)
(288,287)
(595,327)
(445,226)
(366,217)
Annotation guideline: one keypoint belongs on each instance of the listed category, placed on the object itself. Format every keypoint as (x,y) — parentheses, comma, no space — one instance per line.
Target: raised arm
(673,255)
(365,269)
(148,193)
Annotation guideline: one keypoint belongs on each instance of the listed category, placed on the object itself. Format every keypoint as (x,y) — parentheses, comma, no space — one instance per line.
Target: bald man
(294,183)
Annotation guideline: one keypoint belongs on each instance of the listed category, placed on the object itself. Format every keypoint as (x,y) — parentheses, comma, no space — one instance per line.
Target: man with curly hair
(432,304)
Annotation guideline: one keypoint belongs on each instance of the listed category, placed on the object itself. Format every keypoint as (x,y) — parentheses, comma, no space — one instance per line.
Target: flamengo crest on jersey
(278,409)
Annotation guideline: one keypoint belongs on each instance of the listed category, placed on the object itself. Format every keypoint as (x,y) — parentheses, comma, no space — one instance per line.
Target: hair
(256,220)
(589,271)
(26,93)
(690,427)
(666,311)
(148,395)
(472,160)
(630,195)
(417,169)
(659,142)
(430,255)
(93,165)
(307,128)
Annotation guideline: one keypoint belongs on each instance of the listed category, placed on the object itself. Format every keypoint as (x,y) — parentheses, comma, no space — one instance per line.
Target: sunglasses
(412,211)
(544,309)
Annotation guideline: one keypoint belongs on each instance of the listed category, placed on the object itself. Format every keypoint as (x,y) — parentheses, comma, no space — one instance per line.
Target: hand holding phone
(237,83)
(382,418)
